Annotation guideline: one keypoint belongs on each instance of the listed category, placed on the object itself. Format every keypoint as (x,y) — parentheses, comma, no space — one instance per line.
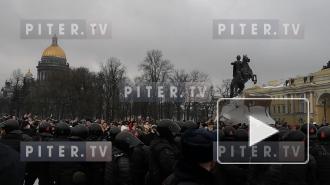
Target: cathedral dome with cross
(53,60)
(54,50)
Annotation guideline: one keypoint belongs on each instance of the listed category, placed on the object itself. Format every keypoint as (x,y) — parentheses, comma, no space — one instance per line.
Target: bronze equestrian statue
(241,74)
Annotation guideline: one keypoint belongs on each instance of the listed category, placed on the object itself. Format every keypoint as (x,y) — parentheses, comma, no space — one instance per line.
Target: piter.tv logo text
(65,29)
(66,151)
(261,152)
(256,29)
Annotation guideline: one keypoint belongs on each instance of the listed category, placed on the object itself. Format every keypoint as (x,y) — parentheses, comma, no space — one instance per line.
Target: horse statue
(241,74)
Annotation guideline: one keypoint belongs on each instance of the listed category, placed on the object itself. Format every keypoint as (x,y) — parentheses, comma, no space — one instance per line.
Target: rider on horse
(241,74)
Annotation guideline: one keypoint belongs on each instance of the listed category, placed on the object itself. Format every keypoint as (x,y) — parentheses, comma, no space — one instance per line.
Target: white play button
(259,131)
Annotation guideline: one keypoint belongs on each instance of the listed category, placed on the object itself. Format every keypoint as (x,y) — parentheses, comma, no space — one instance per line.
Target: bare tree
(190,105)
(178,78)
(155,68)
(112,74)
(198,76)
(17,83)
(83,93)
(17,78)
(224,89)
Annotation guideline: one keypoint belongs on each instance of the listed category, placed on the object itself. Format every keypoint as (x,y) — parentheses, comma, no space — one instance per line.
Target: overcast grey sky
(182,29)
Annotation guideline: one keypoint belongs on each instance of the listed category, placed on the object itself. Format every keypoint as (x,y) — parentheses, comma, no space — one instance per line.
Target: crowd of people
(149,152)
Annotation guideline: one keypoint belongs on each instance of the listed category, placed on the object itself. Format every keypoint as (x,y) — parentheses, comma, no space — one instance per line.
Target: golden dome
(54,50)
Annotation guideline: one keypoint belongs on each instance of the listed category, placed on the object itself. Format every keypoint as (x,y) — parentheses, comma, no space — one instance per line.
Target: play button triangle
(259,131)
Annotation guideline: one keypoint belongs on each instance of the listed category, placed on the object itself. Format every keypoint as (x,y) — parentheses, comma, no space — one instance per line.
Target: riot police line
(154,152)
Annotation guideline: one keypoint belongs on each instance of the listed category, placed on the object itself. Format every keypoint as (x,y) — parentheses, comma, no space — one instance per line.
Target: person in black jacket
(129,163)
(66,173)
(298,174)
(233,173)
(321,152)
(95,170)
(42,169)
(117,172)
(196,165)
(11,169)
(164,152)
(11,135)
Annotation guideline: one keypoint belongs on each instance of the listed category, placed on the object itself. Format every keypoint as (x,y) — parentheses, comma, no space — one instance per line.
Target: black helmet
(79,177)
(294,135)
(242,135)
(9,125)
(95,130)
(45,127)
(282,133)
(62,129)
(197,145)
(188,125)
(126,140)
(312,130)
(113,133)
(238,57)
(167,128)
(229,133)
(323,133)
(80,131)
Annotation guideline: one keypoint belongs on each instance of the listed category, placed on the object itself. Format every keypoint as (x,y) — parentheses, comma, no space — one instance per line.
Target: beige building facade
(315,87)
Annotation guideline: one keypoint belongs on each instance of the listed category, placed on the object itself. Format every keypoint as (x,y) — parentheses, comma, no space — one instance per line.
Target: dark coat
(11,169)
(117,172)
(187,173)
(162,160)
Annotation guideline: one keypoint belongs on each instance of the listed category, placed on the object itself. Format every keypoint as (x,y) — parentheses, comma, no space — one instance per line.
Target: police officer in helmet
(163,152)
(321,152)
